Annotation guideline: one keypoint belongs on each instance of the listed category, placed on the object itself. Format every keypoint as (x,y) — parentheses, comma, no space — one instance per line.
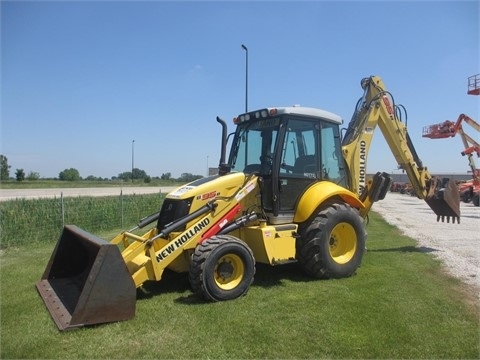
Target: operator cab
(289,148)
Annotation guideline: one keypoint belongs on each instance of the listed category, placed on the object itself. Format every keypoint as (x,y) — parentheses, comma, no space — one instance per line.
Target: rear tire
(222,268)
(476,199)
(333,244)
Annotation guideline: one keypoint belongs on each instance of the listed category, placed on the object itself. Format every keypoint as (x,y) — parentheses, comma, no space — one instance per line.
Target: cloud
(197,69)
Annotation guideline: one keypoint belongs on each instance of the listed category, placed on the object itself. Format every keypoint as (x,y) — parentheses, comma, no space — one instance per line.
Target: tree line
(73,174)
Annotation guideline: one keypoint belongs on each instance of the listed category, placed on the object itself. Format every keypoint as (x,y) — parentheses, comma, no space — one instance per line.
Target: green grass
(399,305)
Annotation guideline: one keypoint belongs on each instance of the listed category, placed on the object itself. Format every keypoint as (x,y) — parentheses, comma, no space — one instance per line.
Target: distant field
(49,193)
(42,184)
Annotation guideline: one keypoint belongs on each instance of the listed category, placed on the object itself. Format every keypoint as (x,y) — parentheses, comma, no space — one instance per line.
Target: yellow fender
(320,192)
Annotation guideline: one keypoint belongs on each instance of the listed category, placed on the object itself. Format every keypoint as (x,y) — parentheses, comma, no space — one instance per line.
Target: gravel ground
(457,245)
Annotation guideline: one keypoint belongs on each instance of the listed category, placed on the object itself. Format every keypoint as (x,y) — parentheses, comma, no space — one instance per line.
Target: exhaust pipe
(86,282)
(223,167)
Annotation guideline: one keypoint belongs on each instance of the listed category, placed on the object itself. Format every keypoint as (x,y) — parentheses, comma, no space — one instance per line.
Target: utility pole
(133,157)
(246,77)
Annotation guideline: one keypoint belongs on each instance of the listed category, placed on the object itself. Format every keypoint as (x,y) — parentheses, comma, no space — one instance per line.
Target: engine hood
(210,187)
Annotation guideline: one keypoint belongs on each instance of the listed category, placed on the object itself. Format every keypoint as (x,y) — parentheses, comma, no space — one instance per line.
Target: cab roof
(293,110)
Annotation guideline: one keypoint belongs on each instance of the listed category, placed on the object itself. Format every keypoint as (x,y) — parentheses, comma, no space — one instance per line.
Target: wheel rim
(229,271)
(343,243)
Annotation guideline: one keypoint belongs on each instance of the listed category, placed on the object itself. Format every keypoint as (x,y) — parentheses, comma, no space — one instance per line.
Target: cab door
(309,150)
(300,164)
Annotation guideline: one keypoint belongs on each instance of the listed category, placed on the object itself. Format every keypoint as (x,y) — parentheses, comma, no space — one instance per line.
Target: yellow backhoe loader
(291,191)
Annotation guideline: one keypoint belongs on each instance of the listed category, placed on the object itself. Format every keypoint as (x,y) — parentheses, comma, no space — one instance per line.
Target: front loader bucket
(444,199)
(86,282)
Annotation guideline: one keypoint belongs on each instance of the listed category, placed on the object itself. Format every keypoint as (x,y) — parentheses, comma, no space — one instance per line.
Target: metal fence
(41,220)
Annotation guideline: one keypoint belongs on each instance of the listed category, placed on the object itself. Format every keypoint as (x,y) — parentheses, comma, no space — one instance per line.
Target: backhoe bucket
(444,200)
(86,282)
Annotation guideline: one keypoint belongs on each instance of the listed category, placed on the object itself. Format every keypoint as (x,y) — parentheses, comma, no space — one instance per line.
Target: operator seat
(305,164)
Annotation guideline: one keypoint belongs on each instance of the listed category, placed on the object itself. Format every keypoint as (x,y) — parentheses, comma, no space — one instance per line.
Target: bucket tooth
(86,282)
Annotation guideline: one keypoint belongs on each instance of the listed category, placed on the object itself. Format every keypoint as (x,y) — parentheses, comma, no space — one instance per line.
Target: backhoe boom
(376,107)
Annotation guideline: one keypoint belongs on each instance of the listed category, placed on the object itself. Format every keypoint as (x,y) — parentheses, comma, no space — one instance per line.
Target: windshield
(254,145)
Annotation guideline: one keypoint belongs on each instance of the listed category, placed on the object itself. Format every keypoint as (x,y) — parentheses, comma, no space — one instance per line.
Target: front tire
(222,268)
(333,244)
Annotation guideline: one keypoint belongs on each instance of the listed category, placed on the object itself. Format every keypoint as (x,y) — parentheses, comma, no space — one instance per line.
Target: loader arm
(376,107)
(147,256)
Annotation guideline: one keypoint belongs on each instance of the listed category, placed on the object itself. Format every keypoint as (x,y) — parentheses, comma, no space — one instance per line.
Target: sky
(86,84)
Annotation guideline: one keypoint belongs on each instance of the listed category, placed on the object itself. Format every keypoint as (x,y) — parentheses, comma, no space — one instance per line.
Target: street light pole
(246,77)
(133,157)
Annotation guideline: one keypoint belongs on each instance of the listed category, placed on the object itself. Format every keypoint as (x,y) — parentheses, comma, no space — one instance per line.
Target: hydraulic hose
(184,220)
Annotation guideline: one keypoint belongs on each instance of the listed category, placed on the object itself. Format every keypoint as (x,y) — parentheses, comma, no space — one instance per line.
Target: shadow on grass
(406,249)
(266,276)
(171,282)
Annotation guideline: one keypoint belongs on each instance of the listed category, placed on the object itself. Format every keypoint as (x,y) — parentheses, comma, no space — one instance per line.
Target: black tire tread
(309,247)
(200,255)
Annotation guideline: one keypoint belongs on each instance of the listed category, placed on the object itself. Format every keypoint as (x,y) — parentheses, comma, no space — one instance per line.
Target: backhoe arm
(376,107)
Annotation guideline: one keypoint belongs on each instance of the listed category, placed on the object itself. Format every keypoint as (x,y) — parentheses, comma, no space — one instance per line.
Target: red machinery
(469,191)
(474,85)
